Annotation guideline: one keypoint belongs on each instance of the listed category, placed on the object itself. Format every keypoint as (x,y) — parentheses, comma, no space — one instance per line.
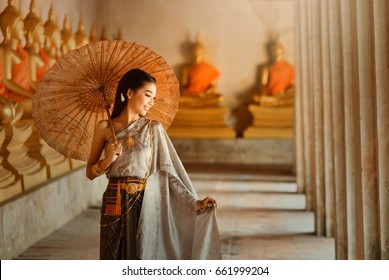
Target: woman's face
(143,99)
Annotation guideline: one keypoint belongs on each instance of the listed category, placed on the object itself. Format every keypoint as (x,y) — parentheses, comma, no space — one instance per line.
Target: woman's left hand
(205,203)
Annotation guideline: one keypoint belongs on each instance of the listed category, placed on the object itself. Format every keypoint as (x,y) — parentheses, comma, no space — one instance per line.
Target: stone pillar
(352,132)
(327,122)
(299,120)
(311,143)
(338,129)
(381,42)
(368,127)
(318,119)
(305,94)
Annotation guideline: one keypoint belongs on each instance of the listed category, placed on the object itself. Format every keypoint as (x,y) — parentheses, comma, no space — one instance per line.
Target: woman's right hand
(114,150)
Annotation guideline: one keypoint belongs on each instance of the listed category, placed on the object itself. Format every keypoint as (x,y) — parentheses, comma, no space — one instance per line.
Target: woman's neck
(128,116)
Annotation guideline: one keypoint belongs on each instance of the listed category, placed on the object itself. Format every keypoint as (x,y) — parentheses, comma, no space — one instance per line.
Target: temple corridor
(299,171)
(260,216)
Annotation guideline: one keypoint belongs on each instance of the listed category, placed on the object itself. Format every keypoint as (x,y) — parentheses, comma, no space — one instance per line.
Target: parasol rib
(122,58)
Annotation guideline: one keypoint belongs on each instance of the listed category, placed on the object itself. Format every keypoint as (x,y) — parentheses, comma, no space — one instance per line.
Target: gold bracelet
(96,169)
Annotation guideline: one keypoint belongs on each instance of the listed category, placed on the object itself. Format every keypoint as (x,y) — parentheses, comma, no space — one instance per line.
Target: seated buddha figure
(277,80)
(68,40)
(14,61)
(35,37)
(53,39)
(93,35)
(199,81)
(80,36)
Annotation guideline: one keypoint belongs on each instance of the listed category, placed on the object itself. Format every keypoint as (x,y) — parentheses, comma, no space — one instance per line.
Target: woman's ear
(129,93)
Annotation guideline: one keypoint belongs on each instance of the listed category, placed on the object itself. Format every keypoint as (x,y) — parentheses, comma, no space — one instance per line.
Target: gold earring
(122,99)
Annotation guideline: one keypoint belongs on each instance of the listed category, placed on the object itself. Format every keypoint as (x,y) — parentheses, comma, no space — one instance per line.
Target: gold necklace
(129,141)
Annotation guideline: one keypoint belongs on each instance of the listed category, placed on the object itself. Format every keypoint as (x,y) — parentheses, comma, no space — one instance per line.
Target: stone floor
(259,217)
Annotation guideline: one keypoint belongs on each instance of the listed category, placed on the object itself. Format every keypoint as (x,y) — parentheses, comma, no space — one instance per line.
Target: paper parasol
(79,91)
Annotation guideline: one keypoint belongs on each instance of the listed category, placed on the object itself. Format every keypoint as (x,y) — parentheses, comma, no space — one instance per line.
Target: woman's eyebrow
(150,91)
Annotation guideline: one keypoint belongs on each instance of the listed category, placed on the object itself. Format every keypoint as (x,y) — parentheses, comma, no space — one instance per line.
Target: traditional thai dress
(160,221)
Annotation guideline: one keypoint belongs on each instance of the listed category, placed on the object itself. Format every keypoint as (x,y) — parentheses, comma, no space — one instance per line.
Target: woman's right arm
(98,142)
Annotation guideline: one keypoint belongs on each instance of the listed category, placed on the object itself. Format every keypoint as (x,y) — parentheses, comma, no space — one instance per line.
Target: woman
(173,223)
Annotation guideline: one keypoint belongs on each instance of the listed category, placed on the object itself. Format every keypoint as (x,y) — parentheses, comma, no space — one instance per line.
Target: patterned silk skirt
(118,233)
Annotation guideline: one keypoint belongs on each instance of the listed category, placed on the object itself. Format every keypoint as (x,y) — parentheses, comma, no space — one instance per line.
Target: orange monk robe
(40,71)
(281,76)
(201,75)
(20,75)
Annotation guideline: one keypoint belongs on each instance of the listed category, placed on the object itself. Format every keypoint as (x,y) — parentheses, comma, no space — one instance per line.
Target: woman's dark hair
(133,79)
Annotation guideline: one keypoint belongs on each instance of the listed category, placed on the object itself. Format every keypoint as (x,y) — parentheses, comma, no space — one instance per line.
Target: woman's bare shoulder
(103,129)
(102,125)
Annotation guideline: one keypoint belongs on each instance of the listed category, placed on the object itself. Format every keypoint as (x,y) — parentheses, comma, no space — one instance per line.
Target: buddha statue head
(93,35)
(11,24)
(277,51)
(7,111)
(81,37)
(103,35)
(118,36)
(68,40)
(52,33)
(35,32)
(198,50)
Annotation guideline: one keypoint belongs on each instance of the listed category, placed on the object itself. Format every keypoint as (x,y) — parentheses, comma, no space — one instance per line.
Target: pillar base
(201,123)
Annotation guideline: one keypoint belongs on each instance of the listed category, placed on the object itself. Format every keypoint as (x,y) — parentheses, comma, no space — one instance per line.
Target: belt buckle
(132,185)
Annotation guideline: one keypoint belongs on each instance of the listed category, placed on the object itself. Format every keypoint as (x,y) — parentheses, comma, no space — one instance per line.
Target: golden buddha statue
(273,108)
(34,30)
(10,183)
(14,62)
(7,111)
(277,80)
(201,113)
(81,37)
(93,35)
(68,40)
(53,39)
(199,81)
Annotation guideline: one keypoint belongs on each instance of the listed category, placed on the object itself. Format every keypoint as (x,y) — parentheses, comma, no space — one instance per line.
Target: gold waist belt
(131,185)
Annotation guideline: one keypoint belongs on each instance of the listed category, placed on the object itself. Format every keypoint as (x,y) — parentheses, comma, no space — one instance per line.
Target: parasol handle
(111,125)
